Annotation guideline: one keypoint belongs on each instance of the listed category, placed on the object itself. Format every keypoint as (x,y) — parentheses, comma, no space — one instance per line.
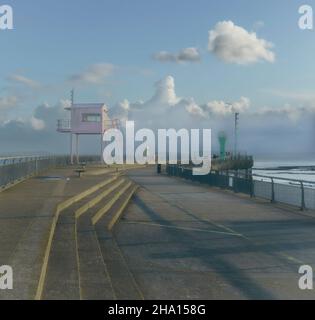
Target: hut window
(91,117)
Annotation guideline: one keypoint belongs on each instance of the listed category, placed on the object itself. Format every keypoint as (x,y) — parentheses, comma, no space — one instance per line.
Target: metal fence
(13,169)
(298,193)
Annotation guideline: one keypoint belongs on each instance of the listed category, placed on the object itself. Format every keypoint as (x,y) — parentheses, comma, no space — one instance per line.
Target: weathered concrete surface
(188,241)
(26,212)
(95,283)
(176,240)
(75,267)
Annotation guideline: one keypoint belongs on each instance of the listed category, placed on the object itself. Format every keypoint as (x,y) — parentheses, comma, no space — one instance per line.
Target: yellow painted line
(99,214)
(86,193)
(78,213)
(184,228)
(77,257)
(117,214)
(41,282)
(98,198)
(60,207)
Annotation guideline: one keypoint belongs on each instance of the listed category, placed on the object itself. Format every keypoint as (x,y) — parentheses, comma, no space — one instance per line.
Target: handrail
(16,169)
(247,184)
(262,176)
(283,179)
(20,159)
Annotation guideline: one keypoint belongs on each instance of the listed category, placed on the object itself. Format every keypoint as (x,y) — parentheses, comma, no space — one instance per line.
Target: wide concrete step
(90,191)
(61,277)
(99,214)
(67,204)
(115,212)
(123,282)
(62,280)
(94,279)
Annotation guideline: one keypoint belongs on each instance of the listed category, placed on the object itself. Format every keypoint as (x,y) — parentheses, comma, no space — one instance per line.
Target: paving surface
(188,241)
(177,240)
(26,212)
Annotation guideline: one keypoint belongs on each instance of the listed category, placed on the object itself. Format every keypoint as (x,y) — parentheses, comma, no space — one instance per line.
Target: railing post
(235,181)
(272,191)
(252,190)
(303,207)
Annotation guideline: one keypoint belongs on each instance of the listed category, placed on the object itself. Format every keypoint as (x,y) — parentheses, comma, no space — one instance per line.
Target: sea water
(275,169)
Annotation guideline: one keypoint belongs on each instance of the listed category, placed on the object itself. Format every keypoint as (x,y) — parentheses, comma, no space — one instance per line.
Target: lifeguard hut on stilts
(85,119)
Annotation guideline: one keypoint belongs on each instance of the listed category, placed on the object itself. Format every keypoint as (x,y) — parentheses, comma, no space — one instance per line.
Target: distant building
(86,118)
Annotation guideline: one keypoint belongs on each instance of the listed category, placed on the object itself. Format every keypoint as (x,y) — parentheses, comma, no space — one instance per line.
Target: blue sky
(54,40)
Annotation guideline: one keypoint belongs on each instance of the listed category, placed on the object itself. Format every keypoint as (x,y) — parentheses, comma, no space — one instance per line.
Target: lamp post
(236,133)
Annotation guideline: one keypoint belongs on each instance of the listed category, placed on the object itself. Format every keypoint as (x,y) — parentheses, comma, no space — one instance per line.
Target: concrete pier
(27,213)
(174,240)
(188,241)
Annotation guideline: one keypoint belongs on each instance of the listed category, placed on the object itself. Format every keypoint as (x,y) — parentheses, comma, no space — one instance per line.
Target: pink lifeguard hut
(86,118)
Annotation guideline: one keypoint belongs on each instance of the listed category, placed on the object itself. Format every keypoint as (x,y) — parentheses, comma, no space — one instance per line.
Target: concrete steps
(90,228)
(62,274)
(95,282)
(74,265)
(123,282)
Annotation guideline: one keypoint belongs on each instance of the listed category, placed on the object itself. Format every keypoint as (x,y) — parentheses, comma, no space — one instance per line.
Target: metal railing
(294,192)
(14,169)
(63,125)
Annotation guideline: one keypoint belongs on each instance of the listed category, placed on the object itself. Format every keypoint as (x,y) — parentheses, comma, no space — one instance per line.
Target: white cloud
(125,105)
(165,108)
(288,111)
(267,129)
(49,114)
(190,54)
(36,133)
(16,78)
(263,130)
(234,44)
(165,92)
(225,108)
(37,124)
(194,109)
(8,102)
(164,56)
(120,110)
(94,74)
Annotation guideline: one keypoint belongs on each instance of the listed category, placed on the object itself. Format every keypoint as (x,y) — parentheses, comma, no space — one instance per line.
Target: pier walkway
(189,241)
(27,212)
(175,240)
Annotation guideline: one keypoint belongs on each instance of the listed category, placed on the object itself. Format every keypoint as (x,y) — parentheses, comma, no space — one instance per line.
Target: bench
(79,171)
